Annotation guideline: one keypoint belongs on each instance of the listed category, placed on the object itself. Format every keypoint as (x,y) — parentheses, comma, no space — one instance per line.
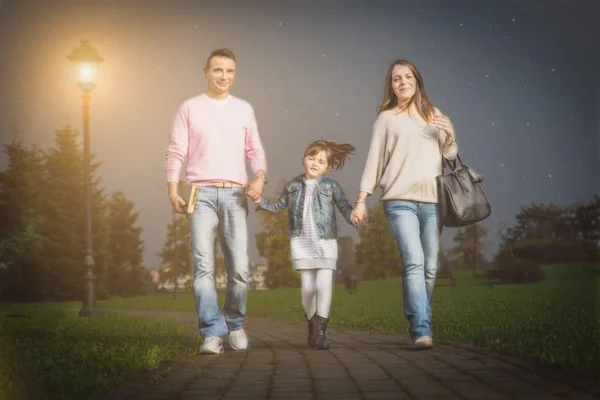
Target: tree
(21,193)
(273,243)
(41,223)
(124,248)
(470,243)
(63,227)
(583,224)
(176,255)
(377,251)
(537,222)
(550,234)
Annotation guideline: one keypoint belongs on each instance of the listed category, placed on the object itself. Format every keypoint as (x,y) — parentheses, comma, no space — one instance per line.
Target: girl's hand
(443,123)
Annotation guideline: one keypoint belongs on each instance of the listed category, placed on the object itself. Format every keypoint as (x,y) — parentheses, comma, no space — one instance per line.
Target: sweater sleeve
(255,152)
(275,206)
(342,204)
(178,145)
(376,159)
(450,154)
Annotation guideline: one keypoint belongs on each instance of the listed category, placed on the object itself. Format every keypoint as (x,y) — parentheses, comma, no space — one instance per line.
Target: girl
(313,230)
(410,137)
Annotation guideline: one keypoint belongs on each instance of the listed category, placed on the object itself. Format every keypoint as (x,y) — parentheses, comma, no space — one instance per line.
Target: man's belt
(227,185)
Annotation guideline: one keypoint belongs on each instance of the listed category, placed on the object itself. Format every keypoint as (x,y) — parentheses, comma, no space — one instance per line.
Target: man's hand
(255,188)
(177,203)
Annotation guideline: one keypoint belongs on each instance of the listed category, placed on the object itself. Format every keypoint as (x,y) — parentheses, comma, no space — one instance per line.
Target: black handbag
(461,199)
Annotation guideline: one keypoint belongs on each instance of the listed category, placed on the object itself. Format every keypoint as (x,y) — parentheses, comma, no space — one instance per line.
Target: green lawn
(554,322)
(49,353)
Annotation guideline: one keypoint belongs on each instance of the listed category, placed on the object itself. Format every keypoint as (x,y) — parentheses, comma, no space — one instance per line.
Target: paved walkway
(359,365)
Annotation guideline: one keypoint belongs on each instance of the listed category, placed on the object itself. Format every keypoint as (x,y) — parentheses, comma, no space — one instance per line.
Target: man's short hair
(224,52)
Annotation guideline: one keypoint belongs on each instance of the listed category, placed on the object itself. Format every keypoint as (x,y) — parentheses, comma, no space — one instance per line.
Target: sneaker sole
(238,348)
(211,352)
(423,346)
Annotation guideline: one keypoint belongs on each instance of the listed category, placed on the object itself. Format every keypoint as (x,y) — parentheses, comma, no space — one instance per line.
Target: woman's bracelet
(451,142)
(359,201)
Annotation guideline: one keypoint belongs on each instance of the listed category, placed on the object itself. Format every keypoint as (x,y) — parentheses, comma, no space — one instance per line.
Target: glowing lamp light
(85,60)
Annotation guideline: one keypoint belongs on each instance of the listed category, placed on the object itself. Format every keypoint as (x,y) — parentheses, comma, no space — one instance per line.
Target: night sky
(519,79)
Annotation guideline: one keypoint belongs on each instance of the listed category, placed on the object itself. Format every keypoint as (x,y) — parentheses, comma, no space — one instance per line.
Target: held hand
(443,123)
(177,203)
(359,213)
(255,188)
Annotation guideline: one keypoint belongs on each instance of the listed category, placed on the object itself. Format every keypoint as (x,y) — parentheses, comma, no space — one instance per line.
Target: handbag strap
(452,165)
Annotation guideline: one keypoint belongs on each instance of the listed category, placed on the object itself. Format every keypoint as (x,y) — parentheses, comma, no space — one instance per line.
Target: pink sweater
(216,142)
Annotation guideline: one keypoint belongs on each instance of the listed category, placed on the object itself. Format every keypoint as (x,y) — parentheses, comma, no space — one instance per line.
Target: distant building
(153,273)
(256,277)
(184,283)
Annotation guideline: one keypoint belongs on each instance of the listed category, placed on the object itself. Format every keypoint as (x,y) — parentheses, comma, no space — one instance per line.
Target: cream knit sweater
(404,158)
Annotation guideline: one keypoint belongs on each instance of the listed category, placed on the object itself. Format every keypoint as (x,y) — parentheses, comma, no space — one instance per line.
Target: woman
(410,136)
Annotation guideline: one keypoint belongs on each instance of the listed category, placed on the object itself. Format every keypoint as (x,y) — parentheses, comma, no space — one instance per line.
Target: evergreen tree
(21,188)
(123,276)
(176,255)
(63,228)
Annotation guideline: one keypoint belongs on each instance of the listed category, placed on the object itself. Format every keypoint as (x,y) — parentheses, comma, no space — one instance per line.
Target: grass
(554,322)
(49,353)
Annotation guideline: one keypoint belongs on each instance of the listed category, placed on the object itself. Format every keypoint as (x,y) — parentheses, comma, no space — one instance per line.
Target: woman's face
(404,83)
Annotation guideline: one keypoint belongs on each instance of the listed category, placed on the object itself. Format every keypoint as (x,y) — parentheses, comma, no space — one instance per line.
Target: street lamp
(85,60)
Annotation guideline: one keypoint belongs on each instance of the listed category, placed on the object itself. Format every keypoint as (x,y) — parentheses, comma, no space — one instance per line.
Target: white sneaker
(238,339)
(423,343)
(212,345)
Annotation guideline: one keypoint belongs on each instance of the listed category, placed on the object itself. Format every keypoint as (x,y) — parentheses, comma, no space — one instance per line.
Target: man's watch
(263,177)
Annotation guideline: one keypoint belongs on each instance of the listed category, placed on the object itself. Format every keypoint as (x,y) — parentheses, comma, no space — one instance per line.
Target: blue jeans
(222,210)
(416,228)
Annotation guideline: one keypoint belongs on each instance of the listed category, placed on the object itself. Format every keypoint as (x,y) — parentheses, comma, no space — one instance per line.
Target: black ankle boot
(312,329)
(321,342)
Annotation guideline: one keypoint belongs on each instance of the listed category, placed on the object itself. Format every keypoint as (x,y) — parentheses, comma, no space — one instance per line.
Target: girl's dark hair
(336,152)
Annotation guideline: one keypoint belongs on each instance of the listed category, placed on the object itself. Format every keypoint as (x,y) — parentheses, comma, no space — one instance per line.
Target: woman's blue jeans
(416,228)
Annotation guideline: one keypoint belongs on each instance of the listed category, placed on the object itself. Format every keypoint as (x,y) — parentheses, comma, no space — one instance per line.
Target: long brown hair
(419,99)
(336,152)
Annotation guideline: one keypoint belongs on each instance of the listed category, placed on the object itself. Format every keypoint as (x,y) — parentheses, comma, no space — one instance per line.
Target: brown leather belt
(227,185)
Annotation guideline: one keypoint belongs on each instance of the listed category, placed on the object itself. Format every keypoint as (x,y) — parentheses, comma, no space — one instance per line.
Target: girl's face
(316,165)
(404,83)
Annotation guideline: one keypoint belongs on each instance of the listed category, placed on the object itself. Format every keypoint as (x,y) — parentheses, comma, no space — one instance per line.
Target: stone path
(359,365)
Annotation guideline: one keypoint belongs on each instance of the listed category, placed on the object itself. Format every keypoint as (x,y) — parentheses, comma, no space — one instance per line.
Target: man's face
(220,74)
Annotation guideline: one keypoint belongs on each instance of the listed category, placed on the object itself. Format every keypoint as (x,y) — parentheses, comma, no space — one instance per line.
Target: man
(217,132)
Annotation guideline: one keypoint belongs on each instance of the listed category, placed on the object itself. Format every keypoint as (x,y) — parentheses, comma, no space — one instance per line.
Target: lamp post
(85,60)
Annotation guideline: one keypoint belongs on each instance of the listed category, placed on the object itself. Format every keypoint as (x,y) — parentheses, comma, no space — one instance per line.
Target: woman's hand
(359,213)
(443,123)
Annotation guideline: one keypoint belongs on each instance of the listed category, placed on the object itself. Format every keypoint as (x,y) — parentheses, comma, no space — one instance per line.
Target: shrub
(518,270)
(550,251)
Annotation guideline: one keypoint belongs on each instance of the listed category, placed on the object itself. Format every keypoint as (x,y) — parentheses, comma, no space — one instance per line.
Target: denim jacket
(327,193)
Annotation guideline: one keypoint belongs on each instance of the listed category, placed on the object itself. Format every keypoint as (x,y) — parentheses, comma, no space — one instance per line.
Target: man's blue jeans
(222,210)
(416,229)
